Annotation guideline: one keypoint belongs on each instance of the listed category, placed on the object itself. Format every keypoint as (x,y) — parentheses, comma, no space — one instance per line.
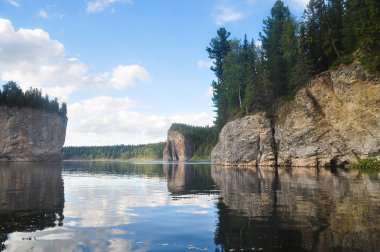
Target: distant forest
(122,152)
(203,138)
(11,95)
(258,76)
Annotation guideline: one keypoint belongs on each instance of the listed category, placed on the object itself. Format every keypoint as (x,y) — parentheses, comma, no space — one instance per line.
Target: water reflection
(31,197)
(116,206)
(297,210)
(189,178)
(98,168)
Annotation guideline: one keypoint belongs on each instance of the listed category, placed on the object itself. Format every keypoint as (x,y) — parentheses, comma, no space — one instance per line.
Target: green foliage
(12,95)
(331,32)
(362,31)
(366,165)
(123,152)
(279,47)
(219,47)
(203,138)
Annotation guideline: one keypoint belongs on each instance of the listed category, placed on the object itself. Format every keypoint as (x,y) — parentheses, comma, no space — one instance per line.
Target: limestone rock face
(333,120)
(245,141)
(31,135)
(178,147)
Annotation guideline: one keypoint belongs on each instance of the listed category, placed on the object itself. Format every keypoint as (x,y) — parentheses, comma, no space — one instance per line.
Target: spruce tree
(274,43)
(219,47)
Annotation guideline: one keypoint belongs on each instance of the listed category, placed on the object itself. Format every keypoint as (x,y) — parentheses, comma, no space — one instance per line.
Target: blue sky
(126,68)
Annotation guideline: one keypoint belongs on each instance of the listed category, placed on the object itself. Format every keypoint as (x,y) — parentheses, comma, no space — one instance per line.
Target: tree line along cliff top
(257,76)
(11,95)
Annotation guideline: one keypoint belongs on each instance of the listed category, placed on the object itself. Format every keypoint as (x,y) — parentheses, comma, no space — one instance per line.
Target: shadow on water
(297,209)
(31,197)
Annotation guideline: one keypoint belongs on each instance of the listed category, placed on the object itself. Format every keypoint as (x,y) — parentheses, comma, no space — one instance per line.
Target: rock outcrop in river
(178,147)
(30,134)
(333,120)
(237,145)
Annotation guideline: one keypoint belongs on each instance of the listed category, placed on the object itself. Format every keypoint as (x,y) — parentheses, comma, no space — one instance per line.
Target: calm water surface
(115,206)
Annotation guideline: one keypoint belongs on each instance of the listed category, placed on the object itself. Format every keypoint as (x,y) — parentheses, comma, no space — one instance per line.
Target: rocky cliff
(333,120)
(247,140)
(178,147)
(31,135)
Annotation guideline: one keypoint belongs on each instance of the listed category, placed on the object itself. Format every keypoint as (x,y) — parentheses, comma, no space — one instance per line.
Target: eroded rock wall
(31,135)
(178,147)
(245,141)
(333,120)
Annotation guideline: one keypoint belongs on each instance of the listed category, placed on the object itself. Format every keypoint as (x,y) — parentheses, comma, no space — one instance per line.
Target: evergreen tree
(331,32)
(219,47)
(234,77)
(251,78)
(63,109)
(12,94)
(362,31)
(333,39)
(315,27)
(274,42)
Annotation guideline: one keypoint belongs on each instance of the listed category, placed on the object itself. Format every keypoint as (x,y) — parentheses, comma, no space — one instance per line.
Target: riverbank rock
(178,147)
(333,120)
(31,135)
(245,141)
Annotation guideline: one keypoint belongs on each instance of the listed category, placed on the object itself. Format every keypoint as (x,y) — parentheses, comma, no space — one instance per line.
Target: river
(120,206)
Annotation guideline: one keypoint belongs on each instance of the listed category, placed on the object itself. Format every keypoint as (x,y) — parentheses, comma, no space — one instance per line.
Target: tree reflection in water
(297,209)
(137,207)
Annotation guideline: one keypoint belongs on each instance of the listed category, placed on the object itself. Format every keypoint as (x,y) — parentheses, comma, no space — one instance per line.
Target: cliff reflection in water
(298,209)
(189,179)
(31,197)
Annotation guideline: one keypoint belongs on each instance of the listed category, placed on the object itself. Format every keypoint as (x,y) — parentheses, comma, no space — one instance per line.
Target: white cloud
(15,3)
(227,14)
(43,14)
(204,64)
(49,13)
(100,5)
(123,76)
(106,120)
(32,58)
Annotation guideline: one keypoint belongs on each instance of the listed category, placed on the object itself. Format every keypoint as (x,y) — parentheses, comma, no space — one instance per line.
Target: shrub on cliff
(367,165)
(11,95)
